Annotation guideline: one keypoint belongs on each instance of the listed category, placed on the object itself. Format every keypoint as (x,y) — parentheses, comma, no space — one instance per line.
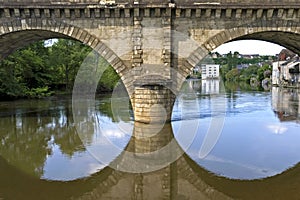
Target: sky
(250,47)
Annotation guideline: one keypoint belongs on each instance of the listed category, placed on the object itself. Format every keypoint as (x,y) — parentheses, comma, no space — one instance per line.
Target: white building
(276,72)
(286,72)
(210,71)
(210,86)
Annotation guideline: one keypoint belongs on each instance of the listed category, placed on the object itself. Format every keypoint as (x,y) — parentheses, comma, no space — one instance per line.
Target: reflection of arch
(20,32)
(28,187)
(184,168)
(282,32)
(281,186)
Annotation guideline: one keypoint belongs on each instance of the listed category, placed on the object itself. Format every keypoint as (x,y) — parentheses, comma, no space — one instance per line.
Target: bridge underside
(290,41)
(16,40)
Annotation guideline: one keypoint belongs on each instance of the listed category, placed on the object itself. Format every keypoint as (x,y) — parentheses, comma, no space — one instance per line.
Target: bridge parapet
(152,3)
(77,11)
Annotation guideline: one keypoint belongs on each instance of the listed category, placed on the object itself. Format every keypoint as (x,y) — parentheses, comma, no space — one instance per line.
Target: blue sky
(250,47)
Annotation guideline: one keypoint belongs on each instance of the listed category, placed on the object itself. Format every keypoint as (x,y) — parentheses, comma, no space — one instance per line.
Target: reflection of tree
(105,108)
(66,137)
(24,144)
(68,141)
(117,108)
(240,86)
(26,137)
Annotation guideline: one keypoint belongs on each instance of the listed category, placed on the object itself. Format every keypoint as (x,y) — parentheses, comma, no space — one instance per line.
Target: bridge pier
(151,137)
(153,104)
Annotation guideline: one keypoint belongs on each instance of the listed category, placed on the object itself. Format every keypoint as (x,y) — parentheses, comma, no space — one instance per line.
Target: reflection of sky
(30,125)
(108,141)
(253,142)
(61,167)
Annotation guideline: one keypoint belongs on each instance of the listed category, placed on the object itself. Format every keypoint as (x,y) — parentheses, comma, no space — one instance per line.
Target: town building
(276,72)
(210,71)
(197,69)
(285,54)
(242,66)
(285,71)
(249,56)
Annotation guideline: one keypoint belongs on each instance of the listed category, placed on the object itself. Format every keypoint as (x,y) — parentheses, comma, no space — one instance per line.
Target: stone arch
(261,30)
(243,32)
(21,31)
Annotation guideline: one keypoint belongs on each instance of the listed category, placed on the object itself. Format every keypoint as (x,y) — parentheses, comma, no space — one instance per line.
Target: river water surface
(42,156)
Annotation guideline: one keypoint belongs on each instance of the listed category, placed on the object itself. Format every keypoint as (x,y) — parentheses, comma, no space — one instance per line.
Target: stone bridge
(153,45)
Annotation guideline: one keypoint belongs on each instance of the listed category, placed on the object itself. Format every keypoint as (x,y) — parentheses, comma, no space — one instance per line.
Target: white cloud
(277,128)
(258,171)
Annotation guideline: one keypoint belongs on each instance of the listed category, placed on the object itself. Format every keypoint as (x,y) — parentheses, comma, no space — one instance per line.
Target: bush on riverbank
(253,75)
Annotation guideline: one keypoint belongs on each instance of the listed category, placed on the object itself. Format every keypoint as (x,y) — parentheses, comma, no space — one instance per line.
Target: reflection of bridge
(182,179)
(143,41)
(286,103)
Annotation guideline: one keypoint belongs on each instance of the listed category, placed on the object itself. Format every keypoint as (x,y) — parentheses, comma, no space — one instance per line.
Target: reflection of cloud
(105,137)
(94,167)
(113,133)
(216,159)
(112,130)
(244,105)
(277,128)
(259,172)
(125,127)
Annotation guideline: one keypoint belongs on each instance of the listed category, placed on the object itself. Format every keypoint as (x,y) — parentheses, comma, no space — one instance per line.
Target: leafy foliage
(232,75)
(37,71)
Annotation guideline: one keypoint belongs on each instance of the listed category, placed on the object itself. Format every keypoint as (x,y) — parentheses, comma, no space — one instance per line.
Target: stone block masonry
(153,104)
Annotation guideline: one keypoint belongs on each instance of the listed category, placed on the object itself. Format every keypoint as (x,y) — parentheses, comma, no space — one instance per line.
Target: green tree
(233,75)
(109,79)
(24,71)
(9,84)
(66,57)
(232,60)
(249,72)
(261,71)
(36,70)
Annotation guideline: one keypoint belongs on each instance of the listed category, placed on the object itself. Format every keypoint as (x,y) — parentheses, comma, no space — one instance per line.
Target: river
(256,141)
